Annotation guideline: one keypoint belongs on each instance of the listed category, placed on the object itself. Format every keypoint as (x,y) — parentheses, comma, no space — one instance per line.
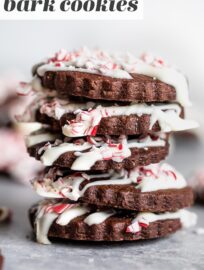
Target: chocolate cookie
(114,125)
(100,225)
(140,88)
(151,188)
(128,197)
(136,156)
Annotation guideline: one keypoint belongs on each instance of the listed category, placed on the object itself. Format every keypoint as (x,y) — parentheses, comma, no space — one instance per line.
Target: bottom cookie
(61,220)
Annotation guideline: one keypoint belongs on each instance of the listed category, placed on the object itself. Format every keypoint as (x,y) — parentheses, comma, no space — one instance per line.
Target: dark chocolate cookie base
(112,229)
(139,157)
(139,89)
(128,197)
(114,125)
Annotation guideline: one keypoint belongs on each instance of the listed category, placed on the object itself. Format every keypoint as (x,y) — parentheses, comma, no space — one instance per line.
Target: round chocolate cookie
(151,188)
(79,222)
(113,125)
(137,157)
(140,88)
(128,197)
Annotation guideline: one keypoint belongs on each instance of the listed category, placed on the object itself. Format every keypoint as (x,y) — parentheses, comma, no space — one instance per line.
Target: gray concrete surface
(184,250)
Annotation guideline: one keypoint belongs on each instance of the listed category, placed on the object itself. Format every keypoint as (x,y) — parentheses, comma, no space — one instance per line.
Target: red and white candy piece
(58,208)
(137,225)
(153,61)
(86,123)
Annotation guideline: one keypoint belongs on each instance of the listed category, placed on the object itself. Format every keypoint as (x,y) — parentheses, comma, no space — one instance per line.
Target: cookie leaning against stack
(103,124)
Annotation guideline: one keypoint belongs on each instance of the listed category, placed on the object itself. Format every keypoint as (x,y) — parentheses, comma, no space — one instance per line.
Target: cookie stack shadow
(101,138)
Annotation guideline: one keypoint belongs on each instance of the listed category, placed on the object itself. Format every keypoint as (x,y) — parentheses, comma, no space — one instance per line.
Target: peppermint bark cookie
(98,153)
(138,88)
(93,119)
(83,222)
(99,75)
(152,188)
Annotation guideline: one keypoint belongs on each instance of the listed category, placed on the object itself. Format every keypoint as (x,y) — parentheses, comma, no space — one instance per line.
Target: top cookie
(99,75)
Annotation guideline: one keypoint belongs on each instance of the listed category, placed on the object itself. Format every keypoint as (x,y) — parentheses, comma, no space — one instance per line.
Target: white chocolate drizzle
(117,66)
(98,217)
(148,178)
(97,149)
(34,139)
(167,115)
(63,214)
(50,211)
(29,127)
(56,107)
(142,220)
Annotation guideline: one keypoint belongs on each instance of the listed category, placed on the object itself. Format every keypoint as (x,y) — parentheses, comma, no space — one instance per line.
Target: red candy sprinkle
(112,145)
(172,173)
(61,194)
(94,130)
(58,208)
(90,140)
(161,62)
(120,146)
(128,230)
(77,174)
(144,225)
(139,179)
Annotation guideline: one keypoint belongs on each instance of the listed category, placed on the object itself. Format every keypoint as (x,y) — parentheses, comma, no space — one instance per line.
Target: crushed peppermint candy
(87,152)
(24,89)
(86,122)
(117,65)
(137,224)
(137,177)
(58,208)
(101,61)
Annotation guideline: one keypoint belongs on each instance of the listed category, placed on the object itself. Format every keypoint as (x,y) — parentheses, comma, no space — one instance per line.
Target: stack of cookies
(101,127)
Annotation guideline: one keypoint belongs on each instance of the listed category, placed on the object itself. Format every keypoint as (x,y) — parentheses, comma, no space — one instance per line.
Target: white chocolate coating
(98,217)
(39,138)
(149,178)
(98,150)
(117,66)
(49,211)
(167,115)
(29,127)
(187,218)
(63,214)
